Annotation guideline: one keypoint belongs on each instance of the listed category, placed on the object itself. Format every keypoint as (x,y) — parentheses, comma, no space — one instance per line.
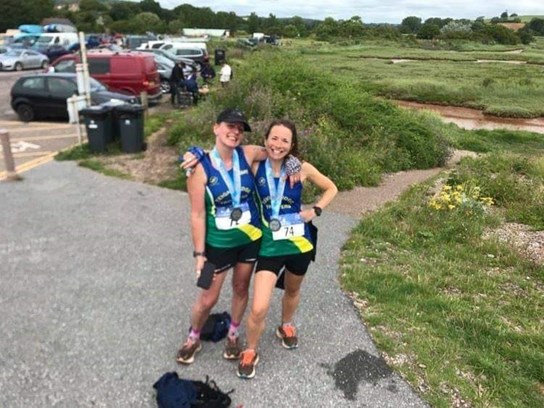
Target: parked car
(150,45)
(64,39)
(164,66)
(129,71)
(54,51)
(173,57)
(24,40)
(91,41)
(187,50)
(19,59)
(134,41)
(111,47)
(248,42)
(43,95)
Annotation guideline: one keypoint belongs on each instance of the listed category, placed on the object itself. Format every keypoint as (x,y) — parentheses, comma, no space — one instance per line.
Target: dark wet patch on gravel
(356,367)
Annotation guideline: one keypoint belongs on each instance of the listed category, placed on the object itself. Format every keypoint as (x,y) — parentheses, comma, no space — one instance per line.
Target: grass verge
(458,315)
(100,168)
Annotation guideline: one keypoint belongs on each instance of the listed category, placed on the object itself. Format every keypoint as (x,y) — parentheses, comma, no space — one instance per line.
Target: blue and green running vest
(218,195)
(290,203)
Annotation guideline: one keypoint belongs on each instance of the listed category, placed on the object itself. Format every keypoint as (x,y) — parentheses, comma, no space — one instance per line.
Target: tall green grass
(346,132)
(441,76)
(485,141)
(515,182)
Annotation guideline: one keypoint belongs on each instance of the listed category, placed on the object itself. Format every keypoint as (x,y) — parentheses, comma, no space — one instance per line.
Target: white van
(64,39)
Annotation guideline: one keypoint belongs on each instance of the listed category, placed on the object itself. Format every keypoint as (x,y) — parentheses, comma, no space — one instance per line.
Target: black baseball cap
(233,116)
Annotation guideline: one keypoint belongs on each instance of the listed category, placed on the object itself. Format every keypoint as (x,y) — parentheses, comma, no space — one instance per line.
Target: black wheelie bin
(99,126)
(130,125)
(219,56)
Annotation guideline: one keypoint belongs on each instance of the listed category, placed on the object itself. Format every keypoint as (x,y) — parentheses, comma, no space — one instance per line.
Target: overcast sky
(371,11)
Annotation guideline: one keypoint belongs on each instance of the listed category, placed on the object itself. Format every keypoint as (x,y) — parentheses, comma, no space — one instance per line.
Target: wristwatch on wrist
(317,210)
(196,253)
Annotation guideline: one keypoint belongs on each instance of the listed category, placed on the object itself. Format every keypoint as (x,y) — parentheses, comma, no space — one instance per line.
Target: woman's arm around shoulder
(254,153)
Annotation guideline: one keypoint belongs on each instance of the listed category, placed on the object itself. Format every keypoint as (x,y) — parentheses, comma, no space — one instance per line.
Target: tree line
(475,30)
(144,16)
(97,16)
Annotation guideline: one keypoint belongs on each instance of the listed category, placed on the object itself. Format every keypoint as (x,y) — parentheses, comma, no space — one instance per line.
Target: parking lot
(35,142)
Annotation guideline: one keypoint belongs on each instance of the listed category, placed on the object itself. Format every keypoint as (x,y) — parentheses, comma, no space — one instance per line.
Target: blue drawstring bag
(173,392)
(216,327)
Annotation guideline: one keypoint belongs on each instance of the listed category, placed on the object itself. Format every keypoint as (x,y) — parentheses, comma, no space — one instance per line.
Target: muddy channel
(470,119)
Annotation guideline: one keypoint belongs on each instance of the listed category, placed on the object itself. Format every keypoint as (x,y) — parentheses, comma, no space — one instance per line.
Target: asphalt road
(97,283)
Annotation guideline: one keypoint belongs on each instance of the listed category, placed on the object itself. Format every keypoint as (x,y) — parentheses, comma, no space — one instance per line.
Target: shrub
(345,132)
(464,197)
(514,182)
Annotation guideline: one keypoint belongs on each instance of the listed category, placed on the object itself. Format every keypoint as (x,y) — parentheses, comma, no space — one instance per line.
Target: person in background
(225,74)
(191,85)
(287,241)
(176,80)
(207,73)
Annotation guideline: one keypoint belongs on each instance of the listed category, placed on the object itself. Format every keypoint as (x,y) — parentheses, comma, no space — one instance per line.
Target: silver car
(19,59)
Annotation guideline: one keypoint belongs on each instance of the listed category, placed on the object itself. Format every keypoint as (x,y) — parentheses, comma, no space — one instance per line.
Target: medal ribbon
(276,194)
(234,183)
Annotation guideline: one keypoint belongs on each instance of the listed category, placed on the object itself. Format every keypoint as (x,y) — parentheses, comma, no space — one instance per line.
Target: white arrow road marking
(22,146)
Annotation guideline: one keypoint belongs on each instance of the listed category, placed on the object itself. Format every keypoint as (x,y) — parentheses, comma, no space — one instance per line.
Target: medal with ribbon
(276,195)
(233,183)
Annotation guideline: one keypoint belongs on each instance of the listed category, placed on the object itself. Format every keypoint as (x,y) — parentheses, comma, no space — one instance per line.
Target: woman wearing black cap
(225,226)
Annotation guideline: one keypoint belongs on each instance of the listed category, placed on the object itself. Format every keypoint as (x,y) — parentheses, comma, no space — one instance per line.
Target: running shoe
(248,360)
(232,349)
(288,336)
(186,354)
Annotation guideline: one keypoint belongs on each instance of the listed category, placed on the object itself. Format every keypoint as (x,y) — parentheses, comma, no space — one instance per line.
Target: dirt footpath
(362,200)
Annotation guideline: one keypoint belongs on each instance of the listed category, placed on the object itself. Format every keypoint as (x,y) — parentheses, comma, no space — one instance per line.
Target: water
(470,119)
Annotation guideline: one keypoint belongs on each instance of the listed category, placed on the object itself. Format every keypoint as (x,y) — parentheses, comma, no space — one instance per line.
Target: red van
(132,72)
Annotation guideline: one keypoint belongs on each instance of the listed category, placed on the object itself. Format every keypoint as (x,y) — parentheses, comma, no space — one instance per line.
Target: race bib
(227,218)
(292,226)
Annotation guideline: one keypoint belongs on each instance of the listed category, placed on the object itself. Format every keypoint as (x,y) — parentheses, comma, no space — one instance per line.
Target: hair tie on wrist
(292,165)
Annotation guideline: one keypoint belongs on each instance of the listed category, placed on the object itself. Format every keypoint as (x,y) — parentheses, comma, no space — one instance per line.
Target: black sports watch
(196,253)
(317,210)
